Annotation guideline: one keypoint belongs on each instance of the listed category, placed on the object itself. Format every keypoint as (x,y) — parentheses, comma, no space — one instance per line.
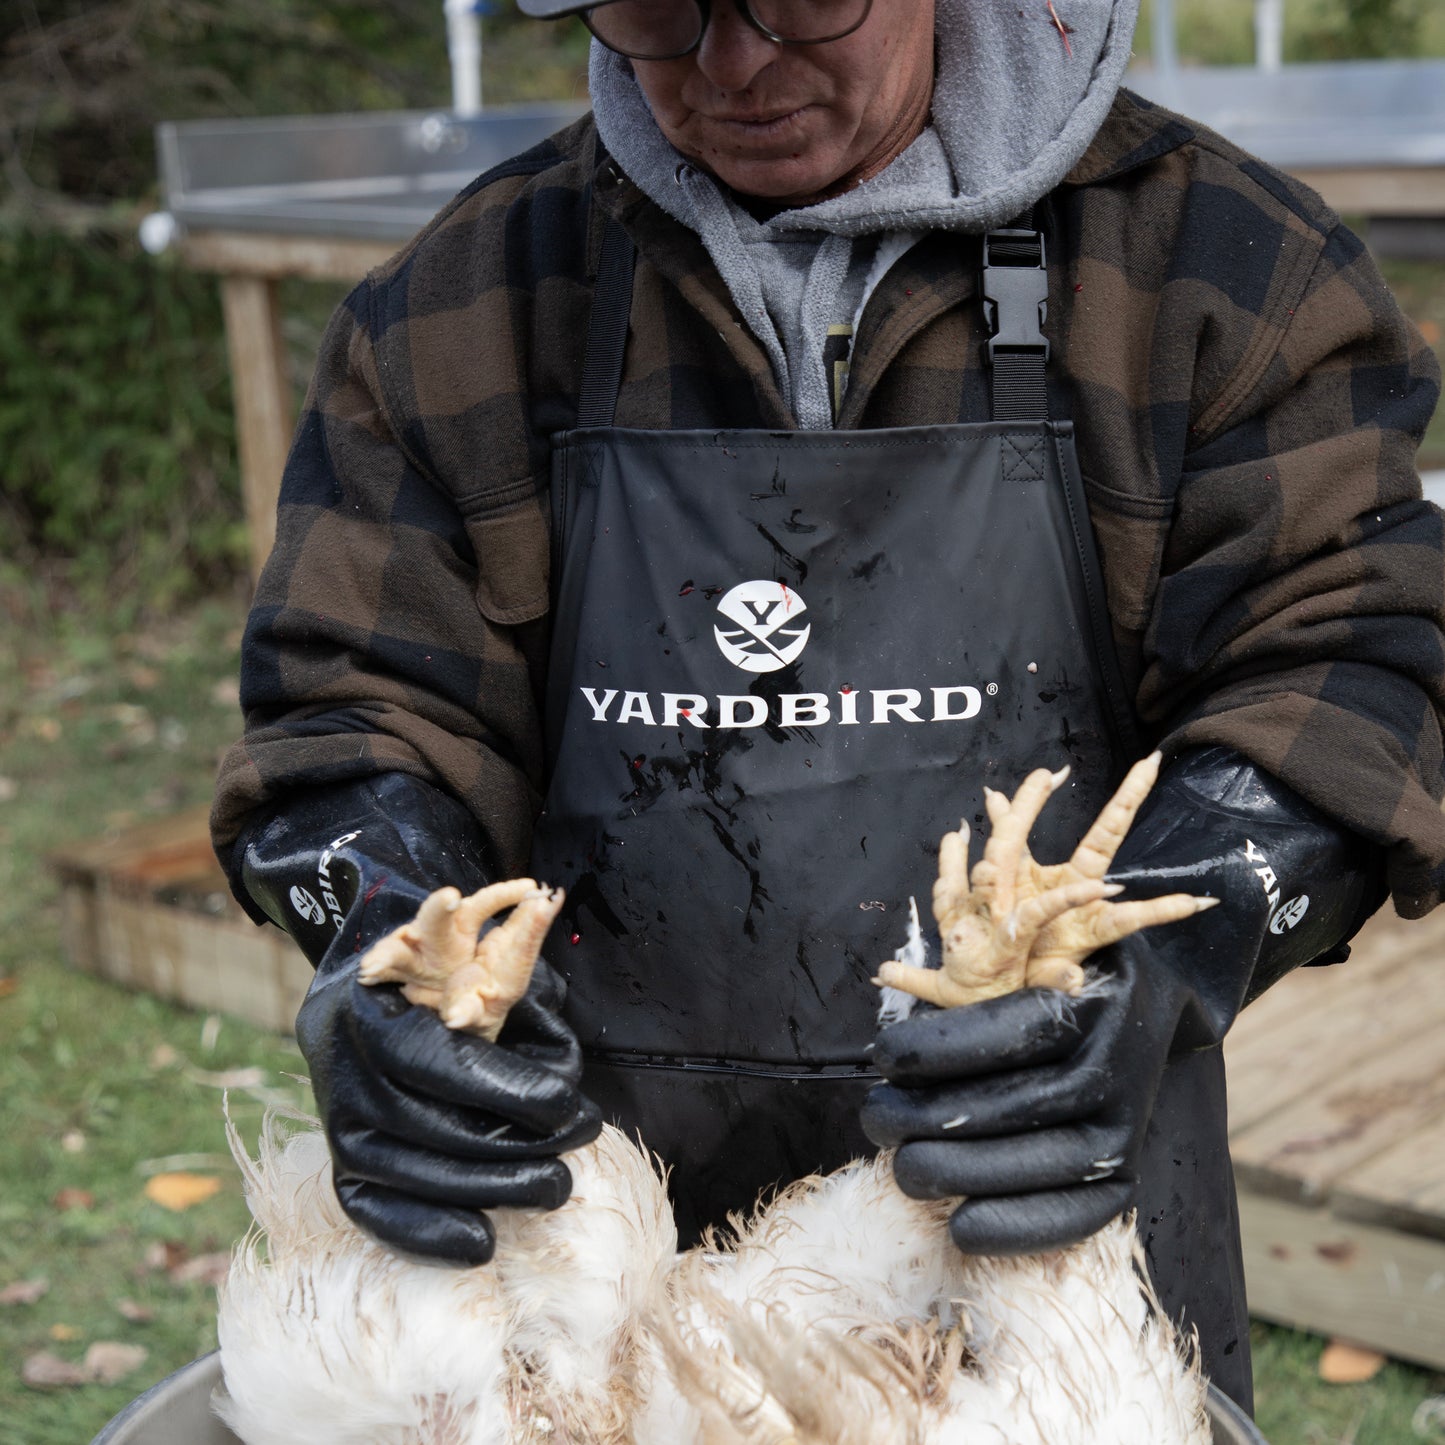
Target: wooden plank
(1403,1187)
(262,390)
(111,852)
(135,909)
(1329,1025)
(260,254)
(1380,190)
(1309,1270)
(1358,1112)
(1379,947)
(223,965)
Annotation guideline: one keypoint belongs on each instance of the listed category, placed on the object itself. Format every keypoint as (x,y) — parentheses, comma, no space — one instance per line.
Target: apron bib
(783,665)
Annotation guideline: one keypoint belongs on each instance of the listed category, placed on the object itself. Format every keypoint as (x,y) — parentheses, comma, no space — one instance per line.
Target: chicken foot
(1016,923)
(440,961)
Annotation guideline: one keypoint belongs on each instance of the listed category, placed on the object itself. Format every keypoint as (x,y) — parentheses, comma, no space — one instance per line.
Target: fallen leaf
(47,1372)
(141,677)
(1345,1363)
(204,1269)
(137,1314)
(8,986)
(73,1199)
(180,1191)
(47,729)
(135,722)
(107,1361)
(1430,332)
(163,1254)
(24,1291)
(163,1056)
(39,674)
(64,1332)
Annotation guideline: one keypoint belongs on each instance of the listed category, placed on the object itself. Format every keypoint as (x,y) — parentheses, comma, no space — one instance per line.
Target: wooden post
(264,414)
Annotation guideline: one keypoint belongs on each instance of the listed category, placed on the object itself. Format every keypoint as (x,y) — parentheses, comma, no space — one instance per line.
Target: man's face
(796,122)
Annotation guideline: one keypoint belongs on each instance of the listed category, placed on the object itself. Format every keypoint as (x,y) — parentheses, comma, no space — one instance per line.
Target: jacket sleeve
(369,648)
(1299,610)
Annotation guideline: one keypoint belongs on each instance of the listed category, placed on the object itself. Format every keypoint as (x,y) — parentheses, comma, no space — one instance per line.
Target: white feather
(894,1005)
(840,1313)
(328,1338)
(331,1339)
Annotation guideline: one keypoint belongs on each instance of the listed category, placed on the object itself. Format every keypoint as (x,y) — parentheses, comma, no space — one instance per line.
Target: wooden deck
(1337,1127)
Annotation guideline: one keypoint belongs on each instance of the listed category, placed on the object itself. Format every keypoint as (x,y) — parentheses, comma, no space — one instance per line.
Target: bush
(117,462)
(1221,32)
(83,82)
(116,430)
(1365,30)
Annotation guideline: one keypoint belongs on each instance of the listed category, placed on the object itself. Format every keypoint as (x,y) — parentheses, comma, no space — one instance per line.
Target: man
(869,405)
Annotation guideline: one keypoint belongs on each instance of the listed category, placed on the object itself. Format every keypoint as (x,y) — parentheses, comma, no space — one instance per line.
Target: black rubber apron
(783,665)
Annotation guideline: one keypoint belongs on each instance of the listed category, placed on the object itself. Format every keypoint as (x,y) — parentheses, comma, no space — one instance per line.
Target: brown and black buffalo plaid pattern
(1248,398)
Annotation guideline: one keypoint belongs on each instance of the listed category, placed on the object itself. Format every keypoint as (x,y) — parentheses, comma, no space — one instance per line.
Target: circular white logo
(1288,914)
(307,906)
(761,631)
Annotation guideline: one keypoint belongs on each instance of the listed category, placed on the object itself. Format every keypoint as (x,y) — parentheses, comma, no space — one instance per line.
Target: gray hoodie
(1013,110)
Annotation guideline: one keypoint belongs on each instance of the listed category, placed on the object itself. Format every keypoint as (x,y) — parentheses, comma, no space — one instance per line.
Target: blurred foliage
(115,421)
(119,475)
(1221,32)
(83,82)
(1370,29)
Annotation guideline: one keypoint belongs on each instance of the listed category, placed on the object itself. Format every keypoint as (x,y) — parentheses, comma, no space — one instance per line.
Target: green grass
(96,733)
(1293,1407)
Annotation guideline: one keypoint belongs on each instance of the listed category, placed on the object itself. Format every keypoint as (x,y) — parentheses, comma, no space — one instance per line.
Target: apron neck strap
(1015,290)
(607,328)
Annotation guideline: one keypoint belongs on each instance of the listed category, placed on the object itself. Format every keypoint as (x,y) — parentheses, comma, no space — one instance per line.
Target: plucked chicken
(840,1311)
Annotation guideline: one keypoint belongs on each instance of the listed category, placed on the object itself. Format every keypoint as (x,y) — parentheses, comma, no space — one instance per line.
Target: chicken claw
(1016,923)
(440,961)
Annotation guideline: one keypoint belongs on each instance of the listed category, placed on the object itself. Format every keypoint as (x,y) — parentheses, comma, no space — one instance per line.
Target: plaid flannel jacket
(1248,399)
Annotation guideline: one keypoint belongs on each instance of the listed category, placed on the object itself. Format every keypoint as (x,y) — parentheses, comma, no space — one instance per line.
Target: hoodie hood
(1015,106)
(1016,103)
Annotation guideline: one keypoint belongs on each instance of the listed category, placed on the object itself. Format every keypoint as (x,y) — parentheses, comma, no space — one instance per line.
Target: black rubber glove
(427,1127)
(1034,1106)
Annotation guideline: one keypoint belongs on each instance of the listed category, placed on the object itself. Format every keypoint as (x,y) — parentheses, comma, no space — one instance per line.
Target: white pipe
(464,47)
(1268,34)
(1166,45)
(158,232)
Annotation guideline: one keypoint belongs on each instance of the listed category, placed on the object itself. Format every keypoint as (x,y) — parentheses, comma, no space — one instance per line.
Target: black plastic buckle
(1015,293)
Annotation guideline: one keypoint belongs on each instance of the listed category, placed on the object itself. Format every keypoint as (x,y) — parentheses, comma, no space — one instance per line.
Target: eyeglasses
(667,29)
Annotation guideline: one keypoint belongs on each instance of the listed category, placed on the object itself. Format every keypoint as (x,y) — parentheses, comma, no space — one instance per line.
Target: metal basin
(178,1412)
(377,176)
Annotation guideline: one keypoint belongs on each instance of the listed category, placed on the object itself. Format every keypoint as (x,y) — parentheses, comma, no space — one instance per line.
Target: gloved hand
(1034,1106)
(427,1127)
